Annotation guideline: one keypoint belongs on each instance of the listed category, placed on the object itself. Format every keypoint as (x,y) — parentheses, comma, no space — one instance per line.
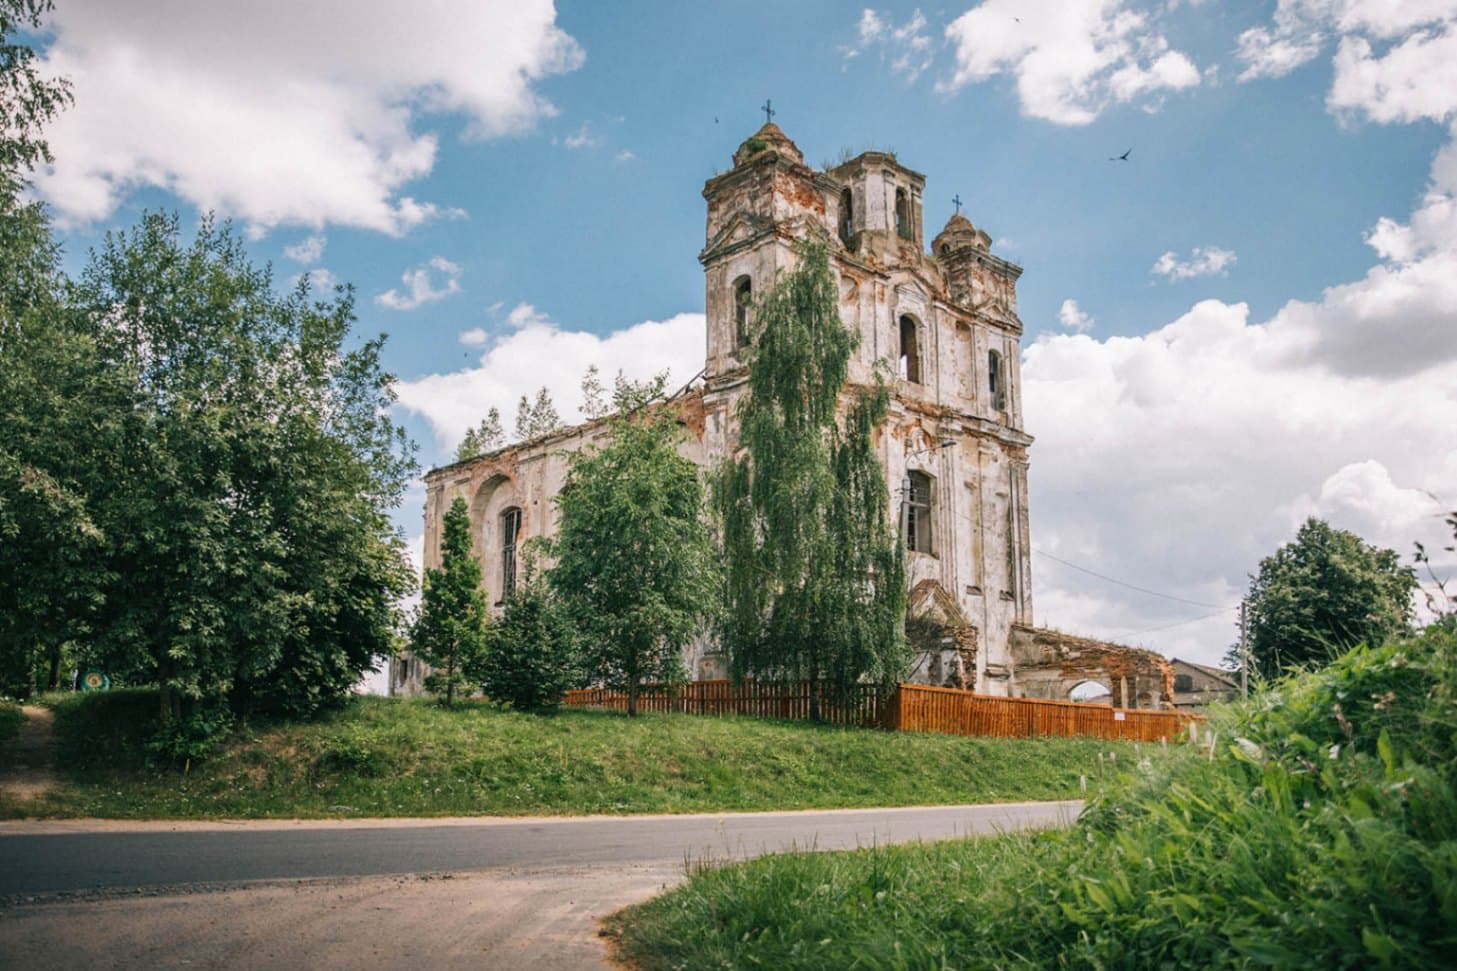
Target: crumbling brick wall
(1049,664)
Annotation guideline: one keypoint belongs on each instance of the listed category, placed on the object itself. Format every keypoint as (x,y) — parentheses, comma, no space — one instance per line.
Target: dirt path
(27,761)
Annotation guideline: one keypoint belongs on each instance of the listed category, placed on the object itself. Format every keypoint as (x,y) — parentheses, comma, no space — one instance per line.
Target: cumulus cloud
(475,337)
(1070,58)
(539,352)
(626,155)
(307,250)
(1177,459)
(278,111)
(1202,261)
(1073,318)
(420,286)
(906,48)
(582,138)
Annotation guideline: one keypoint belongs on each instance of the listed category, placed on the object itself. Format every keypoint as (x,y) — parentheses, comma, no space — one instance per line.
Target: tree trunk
(632,698)
(54,680)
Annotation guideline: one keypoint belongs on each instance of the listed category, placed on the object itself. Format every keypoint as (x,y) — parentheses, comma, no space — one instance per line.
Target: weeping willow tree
(814,577)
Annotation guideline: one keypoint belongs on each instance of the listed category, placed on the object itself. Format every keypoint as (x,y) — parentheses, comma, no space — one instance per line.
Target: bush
(1320,833)
(531,656)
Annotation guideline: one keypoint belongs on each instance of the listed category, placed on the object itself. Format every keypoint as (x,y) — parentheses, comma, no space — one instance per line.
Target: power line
(1131,586)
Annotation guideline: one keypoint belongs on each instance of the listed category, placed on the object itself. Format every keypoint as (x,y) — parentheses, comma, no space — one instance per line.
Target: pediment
(740,228)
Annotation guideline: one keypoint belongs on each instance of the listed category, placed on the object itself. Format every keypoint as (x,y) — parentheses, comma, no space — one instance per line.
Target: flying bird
(1120,158)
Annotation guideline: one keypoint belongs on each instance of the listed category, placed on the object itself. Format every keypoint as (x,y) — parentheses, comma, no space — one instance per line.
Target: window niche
(903,215)
(510,534)
(910,350)
(918,512)
(743,307)
(996,381)
(847,219)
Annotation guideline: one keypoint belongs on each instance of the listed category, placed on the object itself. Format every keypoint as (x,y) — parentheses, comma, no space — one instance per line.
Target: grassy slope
(1324,836)
(386,757)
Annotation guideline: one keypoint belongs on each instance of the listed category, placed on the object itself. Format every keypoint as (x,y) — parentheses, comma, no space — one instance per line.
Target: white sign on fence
(1119,716)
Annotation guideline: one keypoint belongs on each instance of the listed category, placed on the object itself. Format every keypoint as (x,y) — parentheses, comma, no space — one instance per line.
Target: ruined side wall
(1049,664)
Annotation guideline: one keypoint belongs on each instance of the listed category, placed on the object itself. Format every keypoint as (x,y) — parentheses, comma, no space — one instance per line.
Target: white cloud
(287,112)
(1070,58)
(321,281)
(420,288)
(307,250)
(1073,318)
(1414,79)
(1202,261)
(475,337)
(626,155)
(1177,459)
(540,353)
(582,138)
(907,47)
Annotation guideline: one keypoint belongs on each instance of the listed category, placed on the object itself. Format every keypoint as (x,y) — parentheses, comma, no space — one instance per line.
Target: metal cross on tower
(768,110)
(957,200)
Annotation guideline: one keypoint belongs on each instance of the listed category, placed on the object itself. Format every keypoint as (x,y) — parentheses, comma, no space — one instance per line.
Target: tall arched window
(918,512)
(995,381)
(743,301)
(847,217)
(510,532)
(910,357)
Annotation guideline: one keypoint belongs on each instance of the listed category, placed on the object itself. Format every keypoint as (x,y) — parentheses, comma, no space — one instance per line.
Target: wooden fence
(764,699)
(920,708)
(909,708)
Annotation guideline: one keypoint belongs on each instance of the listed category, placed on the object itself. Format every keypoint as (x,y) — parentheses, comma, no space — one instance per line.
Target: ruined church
(954,447)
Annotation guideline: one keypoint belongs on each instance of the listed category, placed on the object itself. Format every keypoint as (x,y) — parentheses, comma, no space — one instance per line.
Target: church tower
(944,324)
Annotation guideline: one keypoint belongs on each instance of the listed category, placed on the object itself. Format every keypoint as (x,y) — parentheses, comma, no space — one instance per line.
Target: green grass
(1322,833)
(390,757)
(11,718)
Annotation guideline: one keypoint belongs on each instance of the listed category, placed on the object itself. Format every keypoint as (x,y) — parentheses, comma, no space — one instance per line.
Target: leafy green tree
(815,579)
(634,565)
(485,437)
(530,657)
(49,400)
(449,631)
(538,417)
(245,489)
(1323,593)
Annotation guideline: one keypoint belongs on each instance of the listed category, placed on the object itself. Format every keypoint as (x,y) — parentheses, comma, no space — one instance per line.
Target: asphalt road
(65,857)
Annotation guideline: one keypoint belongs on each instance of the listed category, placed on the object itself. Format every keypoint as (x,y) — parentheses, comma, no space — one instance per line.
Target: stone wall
(1050,664)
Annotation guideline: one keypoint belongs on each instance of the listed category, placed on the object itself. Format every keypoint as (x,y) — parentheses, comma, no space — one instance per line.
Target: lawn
(392,757)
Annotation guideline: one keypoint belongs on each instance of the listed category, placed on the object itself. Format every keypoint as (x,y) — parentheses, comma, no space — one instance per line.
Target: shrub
(531,656)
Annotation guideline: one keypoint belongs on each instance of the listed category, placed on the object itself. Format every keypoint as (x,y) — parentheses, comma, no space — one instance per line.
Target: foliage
(536,418)
(594,395)
(1322,593)
(412,757)
(48,538)
(1441,603)
(485,437)
(531,654)
(449,630)
(27,101)
(634,565)
(11,718)
(815,580)
(1318,833)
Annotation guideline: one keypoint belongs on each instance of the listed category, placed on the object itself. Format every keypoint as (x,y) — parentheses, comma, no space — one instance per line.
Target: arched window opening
(918,512)
(743,301)
(510,532)
(910,356)
(847,217)
(1091,692)
(903,215)
(995,383)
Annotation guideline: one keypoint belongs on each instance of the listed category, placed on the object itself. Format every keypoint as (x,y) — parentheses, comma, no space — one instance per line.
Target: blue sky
(1251,320)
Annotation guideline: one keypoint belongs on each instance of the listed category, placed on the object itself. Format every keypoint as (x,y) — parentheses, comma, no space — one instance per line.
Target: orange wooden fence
(909,708)
(765,699)
(921,708)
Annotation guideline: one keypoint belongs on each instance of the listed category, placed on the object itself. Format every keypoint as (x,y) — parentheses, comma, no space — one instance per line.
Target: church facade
(943,319)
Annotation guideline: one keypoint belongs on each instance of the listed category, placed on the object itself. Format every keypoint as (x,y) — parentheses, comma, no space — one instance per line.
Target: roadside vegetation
(391,757)
(11,718)
(1319,832)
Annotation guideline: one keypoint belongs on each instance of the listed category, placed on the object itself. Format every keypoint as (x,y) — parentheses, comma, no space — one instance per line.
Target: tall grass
(389,757)
(1320,832)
